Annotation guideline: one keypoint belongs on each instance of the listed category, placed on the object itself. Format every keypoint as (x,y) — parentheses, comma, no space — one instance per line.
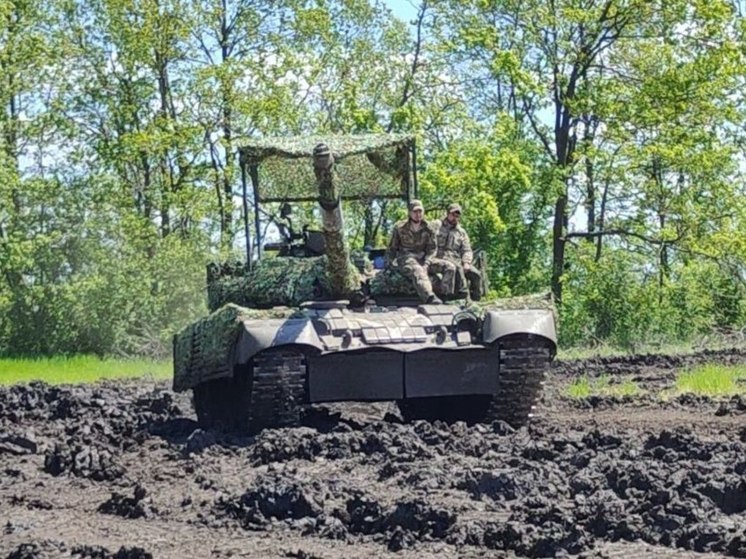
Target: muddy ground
(121,470)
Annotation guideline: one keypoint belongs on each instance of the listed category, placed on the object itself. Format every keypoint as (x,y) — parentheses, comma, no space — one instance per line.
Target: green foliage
(580,388)
(88,278)
(619,300)
(495,178)
(119,174)
(713,380)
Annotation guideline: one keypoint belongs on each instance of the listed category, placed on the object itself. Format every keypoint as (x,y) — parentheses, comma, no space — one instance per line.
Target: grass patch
(602,386)
(79,369)
(713,340)
(580,388)
(713,380)
(606,350)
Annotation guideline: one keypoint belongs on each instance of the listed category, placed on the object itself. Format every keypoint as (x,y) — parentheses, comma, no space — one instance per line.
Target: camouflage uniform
(454,246)
(414,255)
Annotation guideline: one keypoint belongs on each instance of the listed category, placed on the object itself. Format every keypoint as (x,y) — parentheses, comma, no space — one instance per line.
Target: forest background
(597,147)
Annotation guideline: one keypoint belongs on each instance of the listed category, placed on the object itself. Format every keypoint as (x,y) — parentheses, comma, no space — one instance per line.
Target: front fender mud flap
(502,323)
(258,335)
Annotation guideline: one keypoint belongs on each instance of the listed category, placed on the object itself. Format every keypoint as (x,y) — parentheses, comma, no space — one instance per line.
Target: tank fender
(540,322)
(258,335)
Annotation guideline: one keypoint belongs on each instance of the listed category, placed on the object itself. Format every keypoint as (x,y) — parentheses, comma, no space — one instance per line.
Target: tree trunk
(226,215)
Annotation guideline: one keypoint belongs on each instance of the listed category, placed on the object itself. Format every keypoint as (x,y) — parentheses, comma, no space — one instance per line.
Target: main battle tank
(310,324)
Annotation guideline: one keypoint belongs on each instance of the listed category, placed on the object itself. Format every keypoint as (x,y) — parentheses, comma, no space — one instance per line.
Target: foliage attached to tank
(277,282)
(203,349)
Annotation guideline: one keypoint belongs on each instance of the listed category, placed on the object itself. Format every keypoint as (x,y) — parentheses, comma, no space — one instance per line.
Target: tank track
(278,394)
(524,361)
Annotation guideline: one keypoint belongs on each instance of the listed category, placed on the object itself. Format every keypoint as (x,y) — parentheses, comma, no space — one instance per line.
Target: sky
(403,9)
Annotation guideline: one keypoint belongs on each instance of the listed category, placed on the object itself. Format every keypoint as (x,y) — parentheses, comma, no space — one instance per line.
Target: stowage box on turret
(303,321)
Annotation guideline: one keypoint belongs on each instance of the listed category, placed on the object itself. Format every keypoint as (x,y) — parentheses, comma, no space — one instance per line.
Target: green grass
(706,380)
(601,386)
(606,350)
(580,388)
(713,380)
(79,369)
(705,341)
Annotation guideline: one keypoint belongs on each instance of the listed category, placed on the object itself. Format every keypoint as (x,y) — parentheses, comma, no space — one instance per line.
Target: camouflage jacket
(453,243)
(406,242)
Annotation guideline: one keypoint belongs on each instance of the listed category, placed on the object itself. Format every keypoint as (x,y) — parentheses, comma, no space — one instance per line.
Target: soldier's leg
(475,283)
(461,285)
(417,273)
(480,265)
(448,272)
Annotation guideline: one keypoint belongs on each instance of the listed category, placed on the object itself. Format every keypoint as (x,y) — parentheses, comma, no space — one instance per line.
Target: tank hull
(368,354)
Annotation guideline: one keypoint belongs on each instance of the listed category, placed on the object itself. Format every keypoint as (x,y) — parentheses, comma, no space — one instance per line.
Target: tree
(549,63)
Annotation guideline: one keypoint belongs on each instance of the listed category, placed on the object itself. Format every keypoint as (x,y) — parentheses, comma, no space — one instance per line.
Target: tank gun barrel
(341,274)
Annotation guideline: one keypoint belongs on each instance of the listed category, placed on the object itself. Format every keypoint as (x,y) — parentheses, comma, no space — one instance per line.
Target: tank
(313,323)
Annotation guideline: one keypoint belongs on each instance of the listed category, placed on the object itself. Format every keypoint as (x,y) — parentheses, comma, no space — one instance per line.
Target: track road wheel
(523,362)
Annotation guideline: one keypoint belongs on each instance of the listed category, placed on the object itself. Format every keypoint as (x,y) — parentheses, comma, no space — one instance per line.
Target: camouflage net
(277,282)
(521,302)
(204,349)
(391,282)
(367,166)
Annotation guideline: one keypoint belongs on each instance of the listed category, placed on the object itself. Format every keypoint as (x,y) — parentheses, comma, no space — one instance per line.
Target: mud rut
(121,470)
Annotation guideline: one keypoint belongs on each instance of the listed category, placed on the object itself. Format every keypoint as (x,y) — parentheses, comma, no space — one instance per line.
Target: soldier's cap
(454,208)
(416,205)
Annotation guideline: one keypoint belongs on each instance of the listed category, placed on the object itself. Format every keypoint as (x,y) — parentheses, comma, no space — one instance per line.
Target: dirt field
(121,470)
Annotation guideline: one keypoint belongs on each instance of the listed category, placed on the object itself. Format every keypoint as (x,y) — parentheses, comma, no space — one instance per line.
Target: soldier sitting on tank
(454,246)
(413,250)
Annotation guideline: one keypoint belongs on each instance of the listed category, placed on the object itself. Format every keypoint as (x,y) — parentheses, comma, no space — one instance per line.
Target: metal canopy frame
(253,152)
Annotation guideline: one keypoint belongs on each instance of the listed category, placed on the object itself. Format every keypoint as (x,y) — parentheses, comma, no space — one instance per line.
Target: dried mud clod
(138,506)
(46,549)
(99,552)
(49,549)
(82,460)
(18,443)
(273,498)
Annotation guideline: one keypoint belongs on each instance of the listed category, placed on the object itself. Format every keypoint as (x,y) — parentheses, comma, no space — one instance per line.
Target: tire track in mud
(121,470)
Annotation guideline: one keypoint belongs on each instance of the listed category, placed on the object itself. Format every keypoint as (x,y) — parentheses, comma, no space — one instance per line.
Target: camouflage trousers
(413,269)
(447,271)
(470,278)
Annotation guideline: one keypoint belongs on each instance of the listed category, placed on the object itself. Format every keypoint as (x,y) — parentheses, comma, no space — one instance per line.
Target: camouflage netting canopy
(367,166)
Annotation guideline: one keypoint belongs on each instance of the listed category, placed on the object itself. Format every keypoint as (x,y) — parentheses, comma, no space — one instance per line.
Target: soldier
(454,246)
(413,248)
